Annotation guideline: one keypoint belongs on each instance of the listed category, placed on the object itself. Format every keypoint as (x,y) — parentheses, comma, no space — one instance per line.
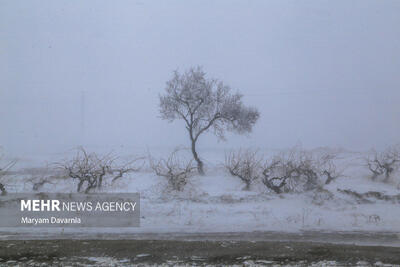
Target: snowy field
(217,202)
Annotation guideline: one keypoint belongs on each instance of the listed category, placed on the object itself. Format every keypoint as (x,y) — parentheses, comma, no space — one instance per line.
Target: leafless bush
(3,189)
(38,183)
(88,168)
(383,163)
(271,180)
(294,171)
(288,172)
(5,167)
(326,166)
(91,169)
(308,170)
(39,176)
(299,170)
(175,169)
(118,172)
(244,164)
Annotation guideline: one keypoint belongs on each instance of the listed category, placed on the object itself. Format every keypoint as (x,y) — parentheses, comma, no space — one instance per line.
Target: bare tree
(176,170)
(244,165)
(384,163)
(5,167)
(205,104)
(91,169)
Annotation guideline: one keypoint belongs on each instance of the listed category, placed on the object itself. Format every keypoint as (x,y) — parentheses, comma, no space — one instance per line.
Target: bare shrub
(294,171)
(3,188)
(5,167)
(308,170)
(175,169)
(37,185)
(244,164)
(383,163)
(290,172)
(87,168)
(42,176)
(272,180)
(326,166)
(91,169)
(39,182)
(118,172)
(299,170)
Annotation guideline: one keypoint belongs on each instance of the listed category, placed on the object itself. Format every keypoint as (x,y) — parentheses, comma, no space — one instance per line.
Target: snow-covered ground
(217,202)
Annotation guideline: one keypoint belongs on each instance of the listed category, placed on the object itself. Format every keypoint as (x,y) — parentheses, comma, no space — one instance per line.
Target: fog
(323,73)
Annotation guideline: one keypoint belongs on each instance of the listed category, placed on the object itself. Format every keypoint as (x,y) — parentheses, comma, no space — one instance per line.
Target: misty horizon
(320,73)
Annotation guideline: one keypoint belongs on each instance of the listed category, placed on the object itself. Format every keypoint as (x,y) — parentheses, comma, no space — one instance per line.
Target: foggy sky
(323,73)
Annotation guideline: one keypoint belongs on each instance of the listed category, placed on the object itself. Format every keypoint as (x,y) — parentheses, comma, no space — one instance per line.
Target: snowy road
(391,239)
(206,250)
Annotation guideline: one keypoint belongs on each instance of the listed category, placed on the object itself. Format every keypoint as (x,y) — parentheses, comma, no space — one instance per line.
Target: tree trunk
(247,187)
(329,179)
(200,168)
(3,190)
(388,171)
(80,185)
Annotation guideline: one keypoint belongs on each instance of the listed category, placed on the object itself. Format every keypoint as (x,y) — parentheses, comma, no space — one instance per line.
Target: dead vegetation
(370,196)
(5,167)
(291,172)
(299,170)
(326,165)
(279,175)
(383,163)
(91,169)
(294,171)
(244,164)
(40,176)
(175,169)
